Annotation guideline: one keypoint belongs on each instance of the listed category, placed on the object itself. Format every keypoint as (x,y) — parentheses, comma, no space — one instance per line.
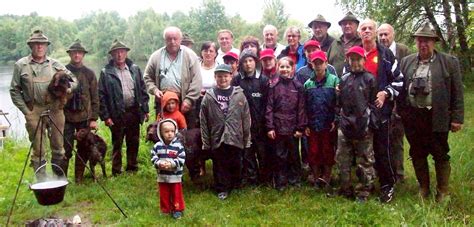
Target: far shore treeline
(143,31)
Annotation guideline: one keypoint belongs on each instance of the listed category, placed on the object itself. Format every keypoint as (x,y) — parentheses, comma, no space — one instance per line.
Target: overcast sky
(249,10)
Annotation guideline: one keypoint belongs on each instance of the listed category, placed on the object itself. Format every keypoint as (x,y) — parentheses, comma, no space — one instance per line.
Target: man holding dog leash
(82,110)
(28,90)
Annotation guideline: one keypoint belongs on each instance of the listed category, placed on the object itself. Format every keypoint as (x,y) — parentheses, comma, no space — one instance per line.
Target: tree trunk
(451,38)
(431,17)
(461,30)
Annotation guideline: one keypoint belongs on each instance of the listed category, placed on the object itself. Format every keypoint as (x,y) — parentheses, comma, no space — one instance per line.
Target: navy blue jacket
(255,90)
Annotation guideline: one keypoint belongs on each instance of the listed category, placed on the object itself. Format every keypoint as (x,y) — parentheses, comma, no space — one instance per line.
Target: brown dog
(58,88)
(152,132)
(92,148)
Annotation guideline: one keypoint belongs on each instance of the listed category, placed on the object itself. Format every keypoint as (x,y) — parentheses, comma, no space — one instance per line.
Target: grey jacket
(447,89)
(217,128)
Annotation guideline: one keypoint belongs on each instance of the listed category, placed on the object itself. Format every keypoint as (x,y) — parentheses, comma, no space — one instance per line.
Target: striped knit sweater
(174,153)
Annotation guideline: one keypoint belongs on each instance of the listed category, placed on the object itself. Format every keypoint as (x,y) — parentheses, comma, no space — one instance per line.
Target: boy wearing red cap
(320,96)
(356,100)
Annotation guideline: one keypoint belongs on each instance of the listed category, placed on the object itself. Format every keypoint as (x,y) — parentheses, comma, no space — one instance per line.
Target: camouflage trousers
(362,151)
(397,145)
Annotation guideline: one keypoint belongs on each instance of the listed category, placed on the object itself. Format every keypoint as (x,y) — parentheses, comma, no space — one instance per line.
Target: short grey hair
(172,29)
(367,21)
(270,27)
(293,29)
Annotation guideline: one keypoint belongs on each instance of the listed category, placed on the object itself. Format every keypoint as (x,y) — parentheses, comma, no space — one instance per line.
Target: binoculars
(420,86)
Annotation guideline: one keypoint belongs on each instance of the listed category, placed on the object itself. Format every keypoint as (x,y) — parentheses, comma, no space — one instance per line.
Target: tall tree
(406,15)
(274,14)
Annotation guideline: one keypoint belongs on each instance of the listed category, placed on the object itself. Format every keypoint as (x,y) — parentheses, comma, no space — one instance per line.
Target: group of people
(265,112)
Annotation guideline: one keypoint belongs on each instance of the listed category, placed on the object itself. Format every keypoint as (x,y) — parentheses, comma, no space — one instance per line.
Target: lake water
(17,129)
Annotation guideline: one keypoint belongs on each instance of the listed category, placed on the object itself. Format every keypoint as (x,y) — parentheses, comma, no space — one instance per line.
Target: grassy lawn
(136,194)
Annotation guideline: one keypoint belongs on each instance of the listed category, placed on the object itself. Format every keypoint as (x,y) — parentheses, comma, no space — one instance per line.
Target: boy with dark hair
(255,88)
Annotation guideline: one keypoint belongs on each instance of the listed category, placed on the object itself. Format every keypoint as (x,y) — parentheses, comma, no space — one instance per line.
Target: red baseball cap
(312,43)
(231,54)
(356,50)
(318,55)
(267,53)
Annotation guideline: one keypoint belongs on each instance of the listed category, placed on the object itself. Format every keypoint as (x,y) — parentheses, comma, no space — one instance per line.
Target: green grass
(136,194)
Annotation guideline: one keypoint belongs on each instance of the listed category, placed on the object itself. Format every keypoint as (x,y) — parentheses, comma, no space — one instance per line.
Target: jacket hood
(167,96)
(159,126)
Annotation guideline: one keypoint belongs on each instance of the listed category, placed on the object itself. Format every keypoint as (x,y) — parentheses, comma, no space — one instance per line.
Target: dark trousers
(127,126)
(287,161)
(383,155)
(226,167)
(171,197)
(423,141)
(69,130)
(253,163)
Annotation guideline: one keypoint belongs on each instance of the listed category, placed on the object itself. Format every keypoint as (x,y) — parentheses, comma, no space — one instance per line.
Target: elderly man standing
(82,110)
(225,38)
(320,32)
(176,68)
(270,39)
(386,36)
(431,105)
(381,63)
(123,105)
(28,90)
(349,38)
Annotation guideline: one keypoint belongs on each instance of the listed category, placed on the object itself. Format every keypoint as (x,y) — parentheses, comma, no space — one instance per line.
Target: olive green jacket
(447,89)
(30,81)
(336,54)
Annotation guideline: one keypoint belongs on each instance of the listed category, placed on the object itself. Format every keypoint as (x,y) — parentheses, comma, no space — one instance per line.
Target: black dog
(92,148)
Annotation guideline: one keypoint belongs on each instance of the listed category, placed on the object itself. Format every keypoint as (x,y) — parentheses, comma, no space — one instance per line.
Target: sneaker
(222,195)
(177,215)
(386,193)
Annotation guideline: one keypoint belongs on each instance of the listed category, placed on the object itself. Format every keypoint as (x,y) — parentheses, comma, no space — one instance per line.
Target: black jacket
(356,104)
(111,96)
(256,91)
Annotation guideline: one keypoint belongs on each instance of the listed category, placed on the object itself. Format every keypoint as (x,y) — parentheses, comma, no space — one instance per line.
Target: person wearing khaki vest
(431,105)
(31,77)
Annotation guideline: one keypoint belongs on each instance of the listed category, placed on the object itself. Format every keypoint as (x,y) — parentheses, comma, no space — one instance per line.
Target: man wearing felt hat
(348,39)
(431,105)
(320,26)
(82,110)
(31,76)
(123,105)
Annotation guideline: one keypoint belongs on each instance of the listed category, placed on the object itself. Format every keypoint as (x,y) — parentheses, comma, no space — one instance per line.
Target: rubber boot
(443,170)
(423,176)
(40,174)
(62,163)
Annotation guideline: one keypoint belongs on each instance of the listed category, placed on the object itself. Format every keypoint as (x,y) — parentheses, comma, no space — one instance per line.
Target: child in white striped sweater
(168,158)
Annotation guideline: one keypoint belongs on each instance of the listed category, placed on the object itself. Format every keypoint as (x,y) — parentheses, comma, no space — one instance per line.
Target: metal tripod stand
(45,116)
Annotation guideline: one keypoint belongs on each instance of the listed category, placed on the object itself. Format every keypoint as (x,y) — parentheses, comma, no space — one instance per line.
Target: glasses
(293,36)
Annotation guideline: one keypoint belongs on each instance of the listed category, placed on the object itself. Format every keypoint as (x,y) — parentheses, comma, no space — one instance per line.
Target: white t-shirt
(207,75)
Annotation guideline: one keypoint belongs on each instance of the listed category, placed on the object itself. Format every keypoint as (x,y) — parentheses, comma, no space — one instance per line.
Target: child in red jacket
(170,109)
